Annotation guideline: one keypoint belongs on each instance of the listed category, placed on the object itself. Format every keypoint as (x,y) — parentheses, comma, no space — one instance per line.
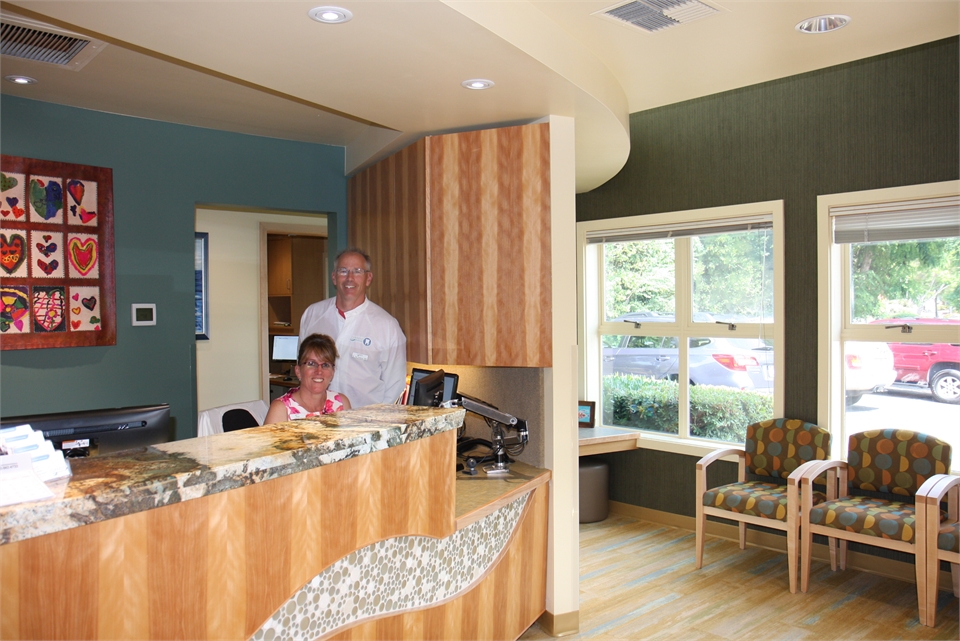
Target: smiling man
(372,366)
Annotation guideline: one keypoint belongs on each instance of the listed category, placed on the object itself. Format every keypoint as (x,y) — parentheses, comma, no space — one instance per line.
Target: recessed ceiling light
(477,83)
(822,24)
(330,15)
(21,80)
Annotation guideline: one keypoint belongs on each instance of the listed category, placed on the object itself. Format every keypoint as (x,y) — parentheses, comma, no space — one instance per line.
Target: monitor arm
(497,421)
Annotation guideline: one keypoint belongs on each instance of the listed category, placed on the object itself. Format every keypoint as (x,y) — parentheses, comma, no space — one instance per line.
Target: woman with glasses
(316,362)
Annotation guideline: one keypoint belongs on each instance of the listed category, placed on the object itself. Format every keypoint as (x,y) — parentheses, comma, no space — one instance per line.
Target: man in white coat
(372,363)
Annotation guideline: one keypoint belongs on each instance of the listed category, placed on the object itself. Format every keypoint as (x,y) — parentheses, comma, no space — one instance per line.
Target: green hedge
(720,413)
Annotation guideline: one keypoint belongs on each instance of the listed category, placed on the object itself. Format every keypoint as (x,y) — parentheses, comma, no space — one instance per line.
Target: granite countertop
(121,483)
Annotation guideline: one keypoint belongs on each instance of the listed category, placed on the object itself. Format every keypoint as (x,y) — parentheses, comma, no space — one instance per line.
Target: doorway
(232,366)
(296,278)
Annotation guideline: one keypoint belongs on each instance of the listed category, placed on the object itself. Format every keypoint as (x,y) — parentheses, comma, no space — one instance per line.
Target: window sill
(674,445)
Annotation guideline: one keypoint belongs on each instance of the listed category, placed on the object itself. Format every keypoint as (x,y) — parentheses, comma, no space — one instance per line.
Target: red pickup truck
(933,365)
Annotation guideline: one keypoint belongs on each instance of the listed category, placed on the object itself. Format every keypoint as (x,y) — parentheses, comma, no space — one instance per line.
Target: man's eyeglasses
(314,365)
(343,271)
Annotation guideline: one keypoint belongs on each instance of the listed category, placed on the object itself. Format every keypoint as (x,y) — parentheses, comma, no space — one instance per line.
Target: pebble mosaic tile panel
(393,576)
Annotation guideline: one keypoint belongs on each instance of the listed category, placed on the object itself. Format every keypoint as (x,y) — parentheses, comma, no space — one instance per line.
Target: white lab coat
(372,367)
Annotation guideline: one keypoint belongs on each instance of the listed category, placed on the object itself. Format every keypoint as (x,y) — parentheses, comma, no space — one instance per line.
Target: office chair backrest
(215,421)
(238,419)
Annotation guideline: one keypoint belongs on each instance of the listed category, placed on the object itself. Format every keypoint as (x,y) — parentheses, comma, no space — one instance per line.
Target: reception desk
(353,526)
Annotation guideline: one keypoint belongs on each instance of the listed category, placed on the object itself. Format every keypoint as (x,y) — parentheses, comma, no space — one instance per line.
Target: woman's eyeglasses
(314,365)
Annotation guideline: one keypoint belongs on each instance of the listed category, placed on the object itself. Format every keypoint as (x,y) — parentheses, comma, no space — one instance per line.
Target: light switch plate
(143,314)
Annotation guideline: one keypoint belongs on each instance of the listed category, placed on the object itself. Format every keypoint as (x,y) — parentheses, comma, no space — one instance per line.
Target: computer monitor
(429,390)
(450,382)
(93,432)
(285,348)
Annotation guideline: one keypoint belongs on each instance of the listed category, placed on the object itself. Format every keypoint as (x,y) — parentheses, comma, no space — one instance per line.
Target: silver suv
(741,363)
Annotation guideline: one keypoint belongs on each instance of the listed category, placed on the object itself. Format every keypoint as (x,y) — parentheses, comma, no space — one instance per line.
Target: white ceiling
(393,73)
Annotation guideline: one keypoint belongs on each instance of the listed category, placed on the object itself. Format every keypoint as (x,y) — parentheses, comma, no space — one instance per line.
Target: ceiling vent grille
(28,39)
(32,44)
(656,15)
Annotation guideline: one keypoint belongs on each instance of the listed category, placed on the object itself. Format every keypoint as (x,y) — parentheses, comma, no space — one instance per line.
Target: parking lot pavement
(908,410)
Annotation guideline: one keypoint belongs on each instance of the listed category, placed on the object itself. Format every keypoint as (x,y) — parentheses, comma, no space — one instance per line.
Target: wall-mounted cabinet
(458,227)
(296,268)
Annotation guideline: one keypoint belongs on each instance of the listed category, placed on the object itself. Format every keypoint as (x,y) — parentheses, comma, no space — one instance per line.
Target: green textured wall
(160,172)
(880,122)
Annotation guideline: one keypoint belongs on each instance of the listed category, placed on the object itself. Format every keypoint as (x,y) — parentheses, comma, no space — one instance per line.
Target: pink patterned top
(295,410)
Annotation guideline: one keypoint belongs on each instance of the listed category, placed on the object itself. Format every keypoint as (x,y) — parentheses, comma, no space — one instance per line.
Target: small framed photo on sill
(586,413)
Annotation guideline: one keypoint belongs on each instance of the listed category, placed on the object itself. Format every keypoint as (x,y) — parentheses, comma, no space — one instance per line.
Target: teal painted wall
(161,171)
(881,122)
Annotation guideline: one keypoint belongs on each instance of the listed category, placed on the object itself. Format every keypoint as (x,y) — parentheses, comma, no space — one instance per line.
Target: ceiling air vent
(656,15)
(30,40)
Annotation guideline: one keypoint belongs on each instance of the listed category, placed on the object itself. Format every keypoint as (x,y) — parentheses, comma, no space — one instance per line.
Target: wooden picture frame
(201,266)
(57,280)
(586,413)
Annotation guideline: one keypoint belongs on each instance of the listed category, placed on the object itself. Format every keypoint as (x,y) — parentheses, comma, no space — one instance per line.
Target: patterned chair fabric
(774,448)
(949,537)
(872,517)
(754,498)
(895,461)
(891,461)
(777,447)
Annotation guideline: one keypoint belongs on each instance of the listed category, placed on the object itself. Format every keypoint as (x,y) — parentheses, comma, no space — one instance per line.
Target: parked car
(743,363)
(869,368)
(928,365)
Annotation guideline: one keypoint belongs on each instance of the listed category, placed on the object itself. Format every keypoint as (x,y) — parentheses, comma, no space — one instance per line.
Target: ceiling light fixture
(822,24)
(330,15)
(21,80)
(477,84)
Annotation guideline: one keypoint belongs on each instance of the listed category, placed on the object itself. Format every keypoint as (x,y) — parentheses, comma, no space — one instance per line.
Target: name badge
(361,357)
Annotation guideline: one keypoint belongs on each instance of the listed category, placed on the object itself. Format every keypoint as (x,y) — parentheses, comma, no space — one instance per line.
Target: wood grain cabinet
(458,227)
(295,279)
(279,271)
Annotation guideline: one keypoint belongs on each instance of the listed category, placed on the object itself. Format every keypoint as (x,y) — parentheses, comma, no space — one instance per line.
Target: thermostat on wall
(143,314)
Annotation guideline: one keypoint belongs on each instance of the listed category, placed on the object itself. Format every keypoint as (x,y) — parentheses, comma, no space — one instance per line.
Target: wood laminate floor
(638,581)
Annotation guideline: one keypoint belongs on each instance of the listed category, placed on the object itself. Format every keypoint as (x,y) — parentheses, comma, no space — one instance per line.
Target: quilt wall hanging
(57,285)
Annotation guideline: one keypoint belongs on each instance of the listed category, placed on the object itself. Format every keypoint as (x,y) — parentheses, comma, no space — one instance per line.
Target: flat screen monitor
(285,348)
(93,432)
(450,382)
(428,391)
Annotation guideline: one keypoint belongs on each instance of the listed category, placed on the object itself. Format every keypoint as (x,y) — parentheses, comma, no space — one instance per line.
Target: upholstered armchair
(890,462)
(781,450)
(939,540)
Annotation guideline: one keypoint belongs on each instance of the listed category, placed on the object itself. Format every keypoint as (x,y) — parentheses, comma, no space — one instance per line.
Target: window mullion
(684,293)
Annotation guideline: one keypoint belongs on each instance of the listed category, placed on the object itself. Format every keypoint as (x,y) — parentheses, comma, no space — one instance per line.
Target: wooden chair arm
(710,458)
(805,475)
(718,454)
(813,469)
(803,472)
(936,487)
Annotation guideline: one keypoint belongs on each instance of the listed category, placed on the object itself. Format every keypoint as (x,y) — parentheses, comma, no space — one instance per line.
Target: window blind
(921,219)
(705,228)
